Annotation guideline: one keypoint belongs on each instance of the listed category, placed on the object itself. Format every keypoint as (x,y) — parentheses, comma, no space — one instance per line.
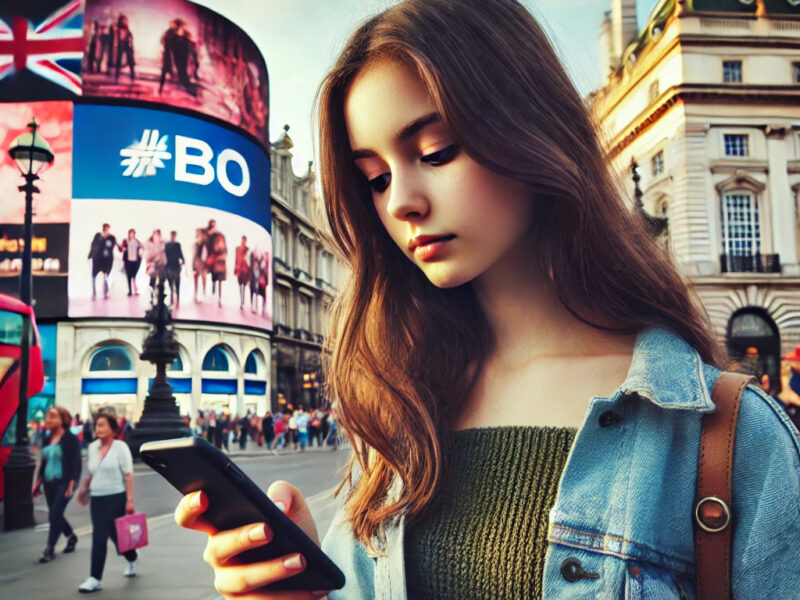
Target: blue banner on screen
(123,152)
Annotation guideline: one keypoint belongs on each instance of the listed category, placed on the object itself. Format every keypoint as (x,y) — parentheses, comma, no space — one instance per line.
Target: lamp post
(655,225)
(32,154)
(161,419)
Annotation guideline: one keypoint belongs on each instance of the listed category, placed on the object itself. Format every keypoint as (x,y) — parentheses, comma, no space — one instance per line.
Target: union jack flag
(52,49)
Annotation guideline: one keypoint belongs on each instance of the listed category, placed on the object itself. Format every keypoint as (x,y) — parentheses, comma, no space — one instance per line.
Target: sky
(300,39)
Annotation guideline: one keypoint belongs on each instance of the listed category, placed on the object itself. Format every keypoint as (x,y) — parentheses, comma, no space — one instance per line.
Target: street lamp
(32,154)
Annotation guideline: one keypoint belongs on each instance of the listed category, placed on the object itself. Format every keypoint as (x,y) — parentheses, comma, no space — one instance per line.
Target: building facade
(306,277)
(706,99)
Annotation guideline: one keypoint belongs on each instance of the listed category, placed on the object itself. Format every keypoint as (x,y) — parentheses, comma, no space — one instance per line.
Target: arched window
(254,365)
(111,358)
(216,360)
(754,344)
(176,365)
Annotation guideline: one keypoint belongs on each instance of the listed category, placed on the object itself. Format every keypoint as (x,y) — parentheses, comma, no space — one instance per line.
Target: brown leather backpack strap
(713,515)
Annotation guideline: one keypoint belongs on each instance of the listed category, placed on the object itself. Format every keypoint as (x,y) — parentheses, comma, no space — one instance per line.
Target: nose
(408,198)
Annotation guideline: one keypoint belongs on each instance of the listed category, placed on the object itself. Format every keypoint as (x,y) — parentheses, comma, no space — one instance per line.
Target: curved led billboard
(164,51)
(153,189)
(178,53)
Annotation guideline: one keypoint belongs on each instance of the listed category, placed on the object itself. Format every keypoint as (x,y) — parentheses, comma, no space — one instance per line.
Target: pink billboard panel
(177,53)
(51,204)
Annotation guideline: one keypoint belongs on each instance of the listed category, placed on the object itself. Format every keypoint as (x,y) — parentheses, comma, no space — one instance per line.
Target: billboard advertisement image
(159,192)
(51,206)
(175,52)
(41,49)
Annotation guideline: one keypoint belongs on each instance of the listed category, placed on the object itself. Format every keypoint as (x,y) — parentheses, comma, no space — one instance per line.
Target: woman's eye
(380,183)
(441,157)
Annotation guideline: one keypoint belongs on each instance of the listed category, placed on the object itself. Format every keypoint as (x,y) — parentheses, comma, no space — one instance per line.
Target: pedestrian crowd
(289,428)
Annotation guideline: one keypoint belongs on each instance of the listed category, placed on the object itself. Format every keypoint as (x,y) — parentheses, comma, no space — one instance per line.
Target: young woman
(241,270)
(109,487)
(132,257)
(59,471)
(155,257)
(520,369)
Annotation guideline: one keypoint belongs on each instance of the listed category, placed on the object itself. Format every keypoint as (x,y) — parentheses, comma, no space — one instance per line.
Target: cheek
(396,229)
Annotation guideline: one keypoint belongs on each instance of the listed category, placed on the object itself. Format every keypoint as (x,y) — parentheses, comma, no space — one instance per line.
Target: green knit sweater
(485,534)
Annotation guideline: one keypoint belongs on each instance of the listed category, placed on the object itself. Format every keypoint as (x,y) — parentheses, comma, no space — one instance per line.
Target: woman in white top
(110,486)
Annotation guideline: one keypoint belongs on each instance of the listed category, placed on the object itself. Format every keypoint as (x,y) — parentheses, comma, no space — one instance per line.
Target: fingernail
(281,506)
(258,534)
(195,501)
(295,562)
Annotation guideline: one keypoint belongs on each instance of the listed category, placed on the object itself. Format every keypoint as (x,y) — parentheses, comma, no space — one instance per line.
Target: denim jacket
(624,509)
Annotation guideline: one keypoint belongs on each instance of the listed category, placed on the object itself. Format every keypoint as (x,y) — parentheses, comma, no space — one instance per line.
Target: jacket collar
(668,372)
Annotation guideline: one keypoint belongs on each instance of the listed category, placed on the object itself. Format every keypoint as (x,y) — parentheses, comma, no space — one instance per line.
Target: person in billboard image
(107,35)
(93,48)
(132,250)
(101,253)
(199,257)
(259,279)
(216,258)
(519,366)
(241,270)
(175,262)
(155,257)
(123,43)
(179,56)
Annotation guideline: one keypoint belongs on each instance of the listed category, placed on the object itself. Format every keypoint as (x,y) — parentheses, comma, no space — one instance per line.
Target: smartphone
(191,464)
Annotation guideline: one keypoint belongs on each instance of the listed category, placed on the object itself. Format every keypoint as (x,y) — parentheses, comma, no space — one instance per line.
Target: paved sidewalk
(172,566)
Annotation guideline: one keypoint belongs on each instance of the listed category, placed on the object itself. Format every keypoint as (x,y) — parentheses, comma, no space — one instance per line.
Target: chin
(446,278)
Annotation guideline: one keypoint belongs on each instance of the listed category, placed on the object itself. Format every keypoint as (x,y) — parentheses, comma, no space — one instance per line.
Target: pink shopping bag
(131,532)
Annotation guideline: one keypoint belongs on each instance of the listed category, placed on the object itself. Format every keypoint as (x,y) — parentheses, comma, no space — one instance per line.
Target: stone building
(706,98)
(305,282)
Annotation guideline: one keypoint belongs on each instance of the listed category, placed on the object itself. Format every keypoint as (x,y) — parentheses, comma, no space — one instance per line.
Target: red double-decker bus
(12,317)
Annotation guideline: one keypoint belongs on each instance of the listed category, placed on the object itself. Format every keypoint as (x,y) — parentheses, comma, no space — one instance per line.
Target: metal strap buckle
(712,514)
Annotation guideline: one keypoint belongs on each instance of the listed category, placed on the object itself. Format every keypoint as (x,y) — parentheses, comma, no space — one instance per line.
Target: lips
(424,240)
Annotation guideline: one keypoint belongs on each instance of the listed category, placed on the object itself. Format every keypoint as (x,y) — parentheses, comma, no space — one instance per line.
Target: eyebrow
(406,132)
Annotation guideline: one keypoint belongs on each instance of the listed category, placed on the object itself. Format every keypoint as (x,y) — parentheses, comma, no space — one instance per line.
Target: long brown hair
(404,354)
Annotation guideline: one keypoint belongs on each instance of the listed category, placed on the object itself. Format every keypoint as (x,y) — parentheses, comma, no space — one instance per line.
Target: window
(216,360)
(254,360)
(304,313)
(658,164)
(281,250)
(177,365)
(796,72)
(10,328)
(324,267)
(111,358)
(741,230)
(732,71)
(736,145)
(304,257)
(281,306)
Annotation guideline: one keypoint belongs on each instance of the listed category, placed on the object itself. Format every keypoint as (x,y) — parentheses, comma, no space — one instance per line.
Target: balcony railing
(758,263)
(283,330)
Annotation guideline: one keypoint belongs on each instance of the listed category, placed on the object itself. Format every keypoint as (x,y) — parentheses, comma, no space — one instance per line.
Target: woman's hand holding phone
(234,579)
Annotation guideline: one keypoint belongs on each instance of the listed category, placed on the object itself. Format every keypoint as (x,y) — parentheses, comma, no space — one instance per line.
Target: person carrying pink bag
(109,488)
